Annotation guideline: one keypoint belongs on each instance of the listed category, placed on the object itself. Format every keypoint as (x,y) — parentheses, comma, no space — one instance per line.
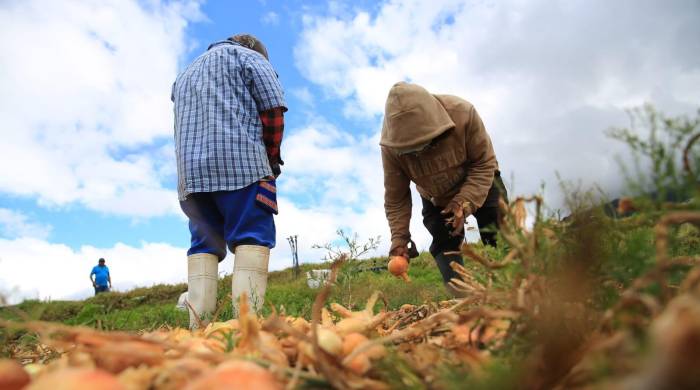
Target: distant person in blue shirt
(102,282)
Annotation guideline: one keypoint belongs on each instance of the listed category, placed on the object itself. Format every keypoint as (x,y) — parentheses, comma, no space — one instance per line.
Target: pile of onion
(398,266)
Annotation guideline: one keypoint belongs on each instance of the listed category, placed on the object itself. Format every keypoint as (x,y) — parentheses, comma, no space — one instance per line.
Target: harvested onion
(221,328)
(72,378)
(176,374)
(329,341)
(352,325)
(359,364)
(398,266)
(116,357)
(352,341)
(237,374)
(300,324)
(12,375)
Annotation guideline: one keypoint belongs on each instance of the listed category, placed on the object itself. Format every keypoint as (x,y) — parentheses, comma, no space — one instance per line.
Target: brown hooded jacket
(458,165)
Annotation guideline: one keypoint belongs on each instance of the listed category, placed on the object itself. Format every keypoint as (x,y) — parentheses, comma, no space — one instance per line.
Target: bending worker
(229,123)
(439,143)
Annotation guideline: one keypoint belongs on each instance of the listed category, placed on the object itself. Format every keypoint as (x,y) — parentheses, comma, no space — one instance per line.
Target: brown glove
(399,251)
(405,251)
(456,215)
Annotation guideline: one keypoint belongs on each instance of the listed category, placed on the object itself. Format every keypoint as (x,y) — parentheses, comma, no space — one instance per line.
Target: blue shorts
(228,218)
(101,289)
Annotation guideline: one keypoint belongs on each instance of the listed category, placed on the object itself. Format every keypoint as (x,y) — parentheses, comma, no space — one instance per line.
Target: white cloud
(329,181)
(270,18)
(339,167)
(32,268)
(546,78)
(16,224)
(85,101)
(304,95)
(318,225)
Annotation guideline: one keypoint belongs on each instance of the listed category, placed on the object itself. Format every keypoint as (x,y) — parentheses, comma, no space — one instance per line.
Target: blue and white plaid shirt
(218,132)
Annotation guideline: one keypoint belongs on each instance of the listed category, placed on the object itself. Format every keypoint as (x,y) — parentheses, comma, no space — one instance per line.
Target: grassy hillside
(152,307)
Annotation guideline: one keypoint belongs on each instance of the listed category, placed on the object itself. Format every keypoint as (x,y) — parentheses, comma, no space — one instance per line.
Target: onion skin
(12,375)
(306,353)
(176,374)
(398,266)
(351,325)
(352,341)
(221,329)
(75,378)
(330,342)
(237,374)
(117,357)
(301,325)
(360,364)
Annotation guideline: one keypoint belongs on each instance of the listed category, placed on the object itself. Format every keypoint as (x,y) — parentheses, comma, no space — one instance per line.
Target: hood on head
(412,117)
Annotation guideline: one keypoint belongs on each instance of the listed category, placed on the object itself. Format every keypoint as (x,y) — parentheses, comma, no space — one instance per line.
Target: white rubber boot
(202,277)
(250,275)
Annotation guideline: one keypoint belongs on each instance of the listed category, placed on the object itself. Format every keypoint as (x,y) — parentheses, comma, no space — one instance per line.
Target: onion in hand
(398,266)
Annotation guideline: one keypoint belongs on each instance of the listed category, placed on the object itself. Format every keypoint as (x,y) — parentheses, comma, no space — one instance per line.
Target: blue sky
(278,25)
(87,123)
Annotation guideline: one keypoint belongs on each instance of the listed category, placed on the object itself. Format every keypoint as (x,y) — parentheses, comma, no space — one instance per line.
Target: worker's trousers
(230,218)
(487,216)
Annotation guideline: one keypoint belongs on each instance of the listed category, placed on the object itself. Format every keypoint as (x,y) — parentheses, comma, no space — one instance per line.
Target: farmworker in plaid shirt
(229,120)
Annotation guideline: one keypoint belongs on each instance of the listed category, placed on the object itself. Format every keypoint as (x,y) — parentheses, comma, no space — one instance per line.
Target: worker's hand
(94,284)
(454,218)
(399,251)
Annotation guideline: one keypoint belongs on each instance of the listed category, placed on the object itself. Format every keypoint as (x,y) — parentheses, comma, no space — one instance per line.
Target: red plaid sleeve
(273,129)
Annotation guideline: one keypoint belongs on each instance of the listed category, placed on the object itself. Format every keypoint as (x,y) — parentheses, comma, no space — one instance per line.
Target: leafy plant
(349,247)
(664,157)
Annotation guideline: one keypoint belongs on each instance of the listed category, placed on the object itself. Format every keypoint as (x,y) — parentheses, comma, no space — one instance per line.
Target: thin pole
(293,243)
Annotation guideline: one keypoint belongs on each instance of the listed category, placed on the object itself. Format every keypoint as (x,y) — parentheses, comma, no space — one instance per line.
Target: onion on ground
(360,364)
(12,375)
(352,341)
(355,340)
(237,374)
(330,342)
(76,378)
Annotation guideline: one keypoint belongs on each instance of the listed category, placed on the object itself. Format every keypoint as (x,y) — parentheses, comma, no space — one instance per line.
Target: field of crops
(599,299)
(559,308)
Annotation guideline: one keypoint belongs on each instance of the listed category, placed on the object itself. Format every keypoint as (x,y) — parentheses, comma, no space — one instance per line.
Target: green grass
(356,283)
(104,307)
(152,307)
(625,253)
